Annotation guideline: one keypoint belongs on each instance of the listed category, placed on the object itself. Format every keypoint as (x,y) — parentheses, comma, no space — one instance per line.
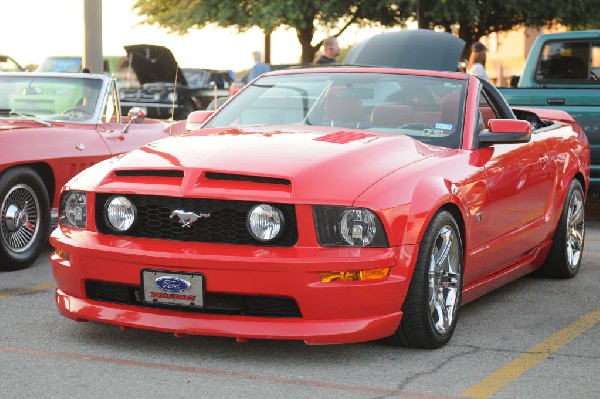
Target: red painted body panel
(56,146)
(506,198)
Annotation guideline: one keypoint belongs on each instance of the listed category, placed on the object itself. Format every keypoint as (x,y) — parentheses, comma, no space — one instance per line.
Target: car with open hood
(163,89)
(52,126)
(329,205)
(8,64)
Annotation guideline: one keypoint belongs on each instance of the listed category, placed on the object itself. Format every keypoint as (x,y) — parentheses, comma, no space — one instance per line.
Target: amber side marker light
(355,275)
(62,254)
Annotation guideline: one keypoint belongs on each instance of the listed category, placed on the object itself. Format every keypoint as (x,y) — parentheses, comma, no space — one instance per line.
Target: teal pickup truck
(562,71)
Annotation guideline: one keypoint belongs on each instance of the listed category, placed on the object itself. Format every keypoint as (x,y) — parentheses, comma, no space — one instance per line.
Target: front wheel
(24,218)
(430,310)
(565,255)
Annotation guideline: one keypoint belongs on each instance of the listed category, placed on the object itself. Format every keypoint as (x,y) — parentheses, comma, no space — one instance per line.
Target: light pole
(92,50)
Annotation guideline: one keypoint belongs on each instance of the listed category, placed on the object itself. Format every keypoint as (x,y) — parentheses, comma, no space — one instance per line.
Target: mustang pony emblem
(187,218)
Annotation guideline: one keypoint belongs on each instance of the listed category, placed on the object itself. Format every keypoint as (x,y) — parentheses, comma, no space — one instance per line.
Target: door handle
(555,101)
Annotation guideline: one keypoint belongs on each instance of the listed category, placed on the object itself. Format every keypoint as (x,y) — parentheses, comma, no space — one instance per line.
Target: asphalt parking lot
(531,339)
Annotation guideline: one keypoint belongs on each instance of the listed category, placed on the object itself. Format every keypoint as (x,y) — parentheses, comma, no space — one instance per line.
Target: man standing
(259,67)
(331,49)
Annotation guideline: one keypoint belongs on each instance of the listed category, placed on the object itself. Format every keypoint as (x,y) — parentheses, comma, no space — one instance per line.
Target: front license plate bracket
(162,287)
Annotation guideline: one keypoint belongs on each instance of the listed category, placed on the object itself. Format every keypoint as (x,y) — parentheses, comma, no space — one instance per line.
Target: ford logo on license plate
(172,284)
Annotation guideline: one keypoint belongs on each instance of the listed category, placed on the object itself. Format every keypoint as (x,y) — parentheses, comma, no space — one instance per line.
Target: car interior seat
(342,111)
(391,115)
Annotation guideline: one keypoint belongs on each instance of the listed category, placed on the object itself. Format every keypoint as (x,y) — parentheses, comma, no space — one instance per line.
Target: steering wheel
(78,113)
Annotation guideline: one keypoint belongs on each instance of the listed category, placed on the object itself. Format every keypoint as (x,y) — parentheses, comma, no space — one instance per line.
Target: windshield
(429,109)
(49,98)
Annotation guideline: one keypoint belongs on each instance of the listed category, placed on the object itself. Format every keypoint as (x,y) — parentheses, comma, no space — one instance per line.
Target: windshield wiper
(30,117)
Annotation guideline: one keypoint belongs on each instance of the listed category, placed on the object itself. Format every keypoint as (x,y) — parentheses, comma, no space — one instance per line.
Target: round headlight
(120,213)
(358,226)
(265,222)
(75,209)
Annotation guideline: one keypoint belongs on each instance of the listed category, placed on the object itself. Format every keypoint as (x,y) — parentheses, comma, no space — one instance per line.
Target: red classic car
(52,126)
(329,205)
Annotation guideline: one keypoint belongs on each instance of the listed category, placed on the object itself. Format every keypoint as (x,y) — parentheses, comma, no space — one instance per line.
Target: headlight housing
(348,226)
(265,222)
(120,213)
(73,209)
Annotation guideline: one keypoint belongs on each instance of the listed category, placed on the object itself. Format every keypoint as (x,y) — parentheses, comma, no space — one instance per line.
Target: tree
(474,19)
(469,19)
(304,16)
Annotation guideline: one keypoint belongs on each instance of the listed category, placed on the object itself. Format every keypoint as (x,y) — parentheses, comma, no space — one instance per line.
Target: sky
(30,30)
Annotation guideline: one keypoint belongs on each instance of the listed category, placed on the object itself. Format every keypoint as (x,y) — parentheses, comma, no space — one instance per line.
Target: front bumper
(335,312)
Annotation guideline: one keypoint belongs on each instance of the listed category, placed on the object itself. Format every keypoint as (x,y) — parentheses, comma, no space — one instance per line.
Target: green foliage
(472,19)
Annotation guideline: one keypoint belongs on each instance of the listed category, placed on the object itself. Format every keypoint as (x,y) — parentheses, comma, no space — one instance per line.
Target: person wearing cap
(331,49)
(476,64)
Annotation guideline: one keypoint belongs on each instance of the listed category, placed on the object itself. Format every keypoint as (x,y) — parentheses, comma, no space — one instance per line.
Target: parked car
(52,126)
(329,205)
(413,49)
(167,91)
(8,64)
(68,63)
(561,72)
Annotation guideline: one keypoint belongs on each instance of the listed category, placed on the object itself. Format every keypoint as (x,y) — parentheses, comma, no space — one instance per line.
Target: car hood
(311,166)
(153,64)
(411,49)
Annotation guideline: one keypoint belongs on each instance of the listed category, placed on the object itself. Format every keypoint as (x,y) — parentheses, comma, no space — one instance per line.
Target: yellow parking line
(502,377)
(26,290)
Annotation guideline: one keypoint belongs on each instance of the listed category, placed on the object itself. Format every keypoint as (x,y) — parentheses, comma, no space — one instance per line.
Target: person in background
(476,64)
(331,49)
(259,67)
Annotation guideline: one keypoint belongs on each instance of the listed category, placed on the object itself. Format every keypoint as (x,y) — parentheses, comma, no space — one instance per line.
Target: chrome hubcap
(575,229)
(444,279)
(19,218)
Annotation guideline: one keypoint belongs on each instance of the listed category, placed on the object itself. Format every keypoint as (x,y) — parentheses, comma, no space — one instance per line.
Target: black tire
(24,217)
(564,258)
(441,252)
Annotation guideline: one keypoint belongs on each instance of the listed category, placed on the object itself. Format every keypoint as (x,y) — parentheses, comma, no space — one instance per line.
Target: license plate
(168,288)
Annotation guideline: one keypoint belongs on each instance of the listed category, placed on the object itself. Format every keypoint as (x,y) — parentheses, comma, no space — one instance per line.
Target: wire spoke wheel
(19,215)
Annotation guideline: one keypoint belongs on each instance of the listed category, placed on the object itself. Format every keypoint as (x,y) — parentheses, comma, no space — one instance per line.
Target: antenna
(174,99)
(215,96)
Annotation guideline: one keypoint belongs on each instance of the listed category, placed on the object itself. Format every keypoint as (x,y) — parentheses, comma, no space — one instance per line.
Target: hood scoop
(149,173)
(246,178)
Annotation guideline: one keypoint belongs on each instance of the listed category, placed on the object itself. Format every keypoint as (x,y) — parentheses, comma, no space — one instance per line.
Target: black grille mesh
(248,305)
(226,224)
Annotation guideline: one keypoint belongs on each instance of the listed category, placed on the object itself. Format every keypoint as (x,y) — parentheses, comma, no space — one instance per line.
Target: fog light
(356,275)
(120,213)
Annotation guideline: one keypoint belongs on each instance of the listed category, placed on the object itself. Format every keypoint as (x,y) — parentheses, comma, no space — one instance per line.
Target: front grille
(247,305)
(149,173)
(226,223)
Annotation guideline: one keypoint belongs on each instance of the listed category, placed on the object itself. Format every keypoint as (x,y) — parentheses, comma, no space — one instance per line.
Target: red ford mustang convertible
(53,126)
(329,205)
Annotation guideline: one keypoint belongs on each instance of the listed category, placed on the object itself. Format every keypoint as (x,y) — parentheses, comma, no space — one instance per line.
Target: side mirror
(196,119)
(136,115)
(505,131)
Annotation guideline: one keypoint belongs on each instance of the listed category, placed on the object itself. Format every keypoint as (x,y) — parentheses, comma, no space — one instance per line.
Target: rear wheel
(564,258)
(24,218)
(430,310)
